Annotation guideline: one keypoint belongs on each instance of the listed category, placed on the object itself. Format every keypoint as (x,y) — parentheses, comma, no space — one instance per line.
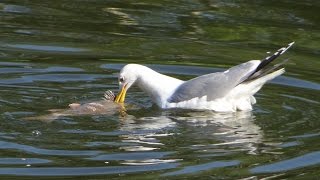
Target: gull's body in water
(226,91)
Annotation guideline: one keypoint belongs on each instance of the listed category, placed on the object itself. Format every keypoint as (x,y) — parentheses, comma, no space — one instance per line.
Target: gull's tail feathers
(262,80)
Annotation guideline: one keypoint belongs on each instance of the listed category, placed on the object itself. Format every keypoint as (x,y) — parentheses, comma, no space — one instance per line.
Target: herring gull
(226,91)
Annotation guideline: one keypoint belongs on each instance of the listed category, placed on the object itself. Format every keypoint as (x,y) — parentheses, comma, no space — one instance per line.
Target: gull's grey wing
(214,85)
(217,85)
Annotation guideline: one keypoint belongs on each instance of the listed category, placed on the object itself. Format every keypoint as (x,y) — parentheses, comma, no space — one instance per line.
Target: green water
(53,53)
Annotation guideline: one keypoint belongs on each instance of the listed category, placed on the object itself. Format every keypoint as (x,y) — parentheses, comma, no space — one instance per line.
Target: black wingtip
(269,59)
(286,48)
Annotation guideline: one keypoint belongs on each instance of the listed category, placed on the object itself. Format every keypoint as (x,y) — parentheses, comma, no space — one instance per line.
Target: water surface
(56,53)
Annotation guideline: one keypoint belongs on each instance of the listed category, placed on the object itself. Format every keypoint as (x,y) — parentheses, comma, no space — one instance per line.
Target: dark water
(53,53)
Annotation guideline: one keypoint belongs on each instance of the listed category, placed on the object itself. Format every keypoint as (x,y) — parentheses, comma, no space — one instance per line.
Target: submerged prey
(106,106)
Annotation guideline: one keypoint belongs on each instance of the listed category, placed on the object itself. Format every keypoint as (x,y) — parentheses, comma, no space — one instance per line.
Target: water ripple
(53,78)
(203,167)
(31,149)
(131,156)
(46,48)
(23,161)
(87,171)
(290,164)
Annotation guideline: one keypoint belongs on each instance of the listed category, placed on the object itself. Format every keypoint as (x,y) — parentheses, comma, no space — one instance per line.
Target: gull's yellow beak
(122,95)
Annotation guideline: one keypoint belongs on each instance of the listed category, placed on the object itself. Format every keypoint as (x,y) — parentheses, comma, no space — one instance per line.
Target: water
(56,53)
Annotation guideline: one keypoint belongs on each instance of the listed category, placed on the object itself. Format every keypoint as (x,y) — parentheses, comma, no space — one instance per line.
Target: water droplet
(36,133)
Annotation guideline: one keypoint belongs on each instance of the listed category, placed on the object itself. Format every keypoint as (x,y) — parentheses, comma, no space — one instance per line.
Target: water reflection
(231,132)
(125,19)
(9,8)
(235,131)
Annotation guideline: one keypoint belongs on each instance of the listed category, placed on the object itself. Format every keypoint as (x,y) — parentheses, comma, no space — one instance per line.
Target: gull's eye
(121,79)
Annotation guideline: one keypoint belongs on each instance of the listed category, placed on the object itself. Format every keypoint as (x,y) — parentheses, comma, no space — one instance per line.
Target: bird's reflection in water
(144,131)
(236,131)
(227,130)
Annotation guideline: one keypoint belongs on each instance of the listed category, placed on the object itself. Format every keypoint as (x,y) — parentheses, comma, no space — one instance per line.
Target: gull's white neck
(158,86)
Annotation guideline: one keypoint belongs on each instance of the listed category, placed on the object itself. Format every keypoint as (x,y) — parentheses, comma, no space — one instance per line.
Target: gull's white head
(127,77)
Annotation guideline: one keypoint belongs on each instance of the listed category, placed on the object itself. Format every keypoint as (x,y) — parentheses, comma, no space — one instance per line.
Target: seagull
(228,91)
